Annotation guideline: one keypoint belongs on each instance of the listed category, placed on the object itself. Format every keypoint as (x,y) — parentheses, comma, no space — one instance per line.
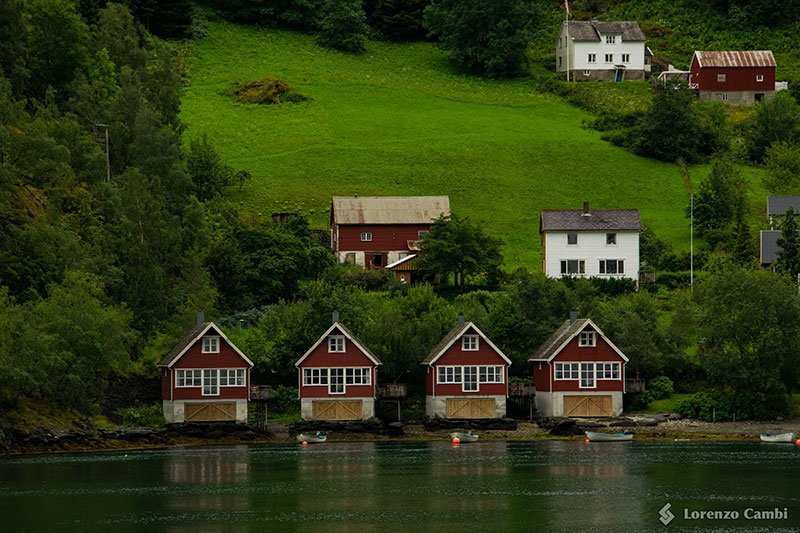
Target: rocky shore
(645,427)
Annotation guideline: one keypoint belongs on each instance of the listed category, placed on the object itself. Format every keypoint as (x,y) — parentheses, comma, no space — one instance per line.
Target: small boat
(781,437)
(311,438)
(464,437)
(595,436)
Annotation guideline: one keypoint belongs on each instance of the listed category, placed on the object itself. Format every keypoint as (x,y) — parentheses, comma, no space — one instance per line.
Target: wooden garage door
(336,410)
(470,408)
(209,412)
(587,406)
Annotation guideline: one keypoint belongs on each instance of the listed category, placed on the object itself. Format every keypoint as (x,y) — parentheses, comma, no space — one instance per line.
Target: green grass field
(398,121)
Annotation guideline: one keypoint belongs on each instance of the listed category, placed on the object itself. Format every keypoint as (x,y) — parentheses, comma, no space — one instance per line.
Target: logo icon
(666,516)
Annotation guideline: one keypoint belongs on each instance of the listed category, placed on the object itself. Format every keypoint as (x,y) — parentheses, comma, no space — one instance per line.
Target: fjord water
(423,486)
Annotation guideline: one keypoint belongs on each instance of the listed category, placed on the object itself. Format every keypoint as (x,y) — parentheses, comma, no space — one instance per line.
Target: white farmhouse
(592,50)
(600,243)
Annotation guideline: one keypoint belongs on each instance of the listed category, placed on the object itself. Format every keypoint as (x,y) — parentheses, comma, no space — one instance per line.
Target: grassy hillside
(398,121)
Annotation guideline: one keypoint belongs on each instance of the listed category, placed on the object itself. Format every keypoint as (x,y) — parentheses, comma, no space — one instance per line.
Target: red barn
(337,377)
(733,77)
(466,375)
(375,231)
(205,377)
(579,372)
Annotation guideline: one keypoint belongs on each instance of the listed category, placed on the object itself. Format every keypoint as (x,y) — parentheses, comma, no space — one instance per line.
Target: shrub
(639,401)
(142,415)
(660,387)
(343,26)
(284,401)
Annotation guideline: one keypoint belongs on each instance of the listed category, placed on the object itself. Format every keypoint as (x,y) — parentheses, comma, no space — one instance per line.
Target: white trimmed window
(449,374)
(231,377)
(587,376)
(366,236)
(759,77)
(210,344)
(721,77)
(626,58)
(188,378)
(336,385)
(210,382)
(612,266)
(470,379)
(609,58)
(491,374)
(723,97)
(567,371)
(572,238)
(357,376)
(587,338)
(315,376)
(573,266)
(611,39)
(611,238)
(469,343)
(336,344)
(607,371)
(592,58)
(587,72)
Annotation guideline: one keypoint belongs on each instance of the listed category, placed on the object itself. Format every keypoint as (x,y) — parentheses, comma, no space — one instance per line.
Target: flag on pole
(566,6)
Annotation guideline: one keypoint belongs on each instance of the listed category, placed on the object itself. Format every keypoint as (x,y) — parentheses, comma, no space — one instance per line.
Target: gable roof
(590,220)
(388,209)
(749,58)
(452,336)
(400,261)
(591,30)
(778,205)
(347,333)
(188,341)
(563,335)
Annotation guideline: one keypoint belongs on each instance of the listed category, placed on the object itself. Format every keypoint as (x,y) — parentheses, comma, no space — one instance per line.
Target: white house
(587,242)
(592,50)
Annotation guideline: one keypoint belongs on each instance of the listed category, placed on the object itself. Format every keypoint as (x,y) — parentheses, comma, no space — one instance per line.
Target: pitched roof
(188,341)
(452,336)
(769,246)
(563,335)
(347,333)
(590,30)
(388,209)
(401,261)
(749,58)
(590,220)
(778,205)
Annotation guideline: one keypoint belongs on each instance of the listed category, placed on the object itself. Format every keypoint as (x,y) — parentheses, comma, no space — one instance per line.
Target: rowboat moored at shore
(781,437)
(311,438)
(595,436)
(464,437)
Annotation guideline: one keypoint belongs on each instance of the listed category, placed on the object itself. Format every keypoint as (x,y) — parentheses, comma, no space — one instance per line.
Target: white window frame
(567,371)
(626,58)
(609,58)
(449,374)
(580,267)
(232,377)
(315,377)
(491,374)
(723,97)
(587,380)
(336,380)
(759,77)
(721,78)
(611,39)
(611,239)
(587,339)
(357,376)
(366,236)
(587,72)
(592,58)
(336,344)
(469,343)
(210,344)
(468,372)
(210,381)
(607,371)
(572,236)
(619,267)
(182,374)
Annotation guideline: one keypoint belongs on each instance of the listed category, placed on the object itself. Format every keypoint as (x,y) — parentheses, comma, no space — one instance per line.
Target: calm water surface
(418,486)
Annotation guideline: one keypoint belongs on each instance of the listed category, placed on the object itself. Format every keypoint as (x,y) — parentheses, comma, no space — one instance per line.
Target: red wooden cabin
(375,231)
(205,377)
(337,377)
(733,77)
(579,372)
(466,375)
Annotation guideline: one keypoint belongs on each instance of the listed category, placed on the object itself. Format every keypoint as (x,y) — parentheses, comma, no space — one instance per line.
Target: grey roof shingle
(184,343)
(590,30)
(566,330)
(451,335)
(596,220)
(388,209)
(358,342)
(778,205)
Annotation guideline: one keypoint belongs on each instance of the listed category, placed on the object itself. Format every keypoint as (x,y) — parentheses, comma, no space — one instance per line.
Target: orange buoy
(456,441)
(587,441)
(797,442)
(305,443)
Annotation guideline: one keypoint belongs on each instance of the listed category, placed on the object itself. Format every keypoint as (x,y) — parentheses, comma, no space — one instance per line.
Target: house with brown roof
(375,231)
(593,50)
(205,377)
(741,77)
(579,372)
(466,375)
(590,242)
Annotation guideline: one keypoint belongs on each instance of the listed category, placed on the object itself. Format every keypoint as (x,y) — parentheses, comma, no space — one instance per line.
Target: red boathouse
(578,372)
(205,377)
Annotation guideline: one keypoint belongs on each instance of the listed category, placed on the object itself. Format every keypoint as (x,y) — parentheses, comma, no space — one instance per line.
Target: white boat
(781,437)
(595,436)
(310,438)
(464,437)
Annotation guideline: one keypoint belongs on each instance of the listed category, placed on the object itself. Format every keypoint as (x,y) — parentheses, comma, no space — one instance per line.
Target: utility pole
(691,241)
(102,140)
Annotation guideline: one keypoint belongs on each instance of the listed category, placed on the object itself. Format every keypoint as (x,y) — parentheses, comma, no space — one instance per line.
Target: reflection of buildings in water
(324,470)
(205,470)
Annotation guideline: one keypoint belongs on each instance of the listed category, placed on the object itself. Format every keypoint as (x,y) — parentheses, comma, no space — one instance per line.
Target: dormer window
(469,343)
(210,344)
(587,338)
(336,344)
(611,39)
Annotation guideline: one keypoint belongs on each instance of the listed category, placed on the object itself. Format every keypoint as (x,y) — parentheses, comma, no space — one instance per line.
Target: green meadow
(399,121)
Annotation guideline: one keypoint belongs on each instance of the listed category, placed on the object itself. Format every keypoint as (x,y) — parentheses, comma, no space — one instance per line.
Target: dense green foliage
(788,256)
(343,26)
(670,130)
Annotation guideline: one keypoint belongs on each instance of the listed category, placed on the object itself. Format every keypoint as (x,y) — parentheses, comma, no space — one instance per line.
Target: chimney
(586,212)
(335,317)
(460,319)
(573,316)
(201,318)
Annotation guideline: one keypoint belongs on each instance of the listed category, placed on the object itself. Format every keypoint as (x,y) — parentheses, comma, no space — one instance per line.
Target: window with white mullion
(231,377)
(210,345)
(210,382)
(449,374)
(188,378)
(566,371)
(469,343)
(357,376)
(336,385)
(470,379)
(315,376)
(587,376)
(491,374)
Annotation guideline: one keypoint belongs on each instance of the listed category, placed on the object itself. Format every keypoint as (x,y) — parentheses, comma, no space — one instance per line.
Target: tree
(209,175)
(398,20)
(745,248)
(782,160)
(721,197)
(670,128)
(456,245)
(343,26)
(489,37)
(13,44)
(775,120)
(789,246)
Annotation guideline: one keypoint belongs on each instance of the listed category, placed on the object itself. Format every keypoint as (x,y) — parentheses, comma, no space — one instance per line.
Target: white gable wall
(592,248)
(579,53)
